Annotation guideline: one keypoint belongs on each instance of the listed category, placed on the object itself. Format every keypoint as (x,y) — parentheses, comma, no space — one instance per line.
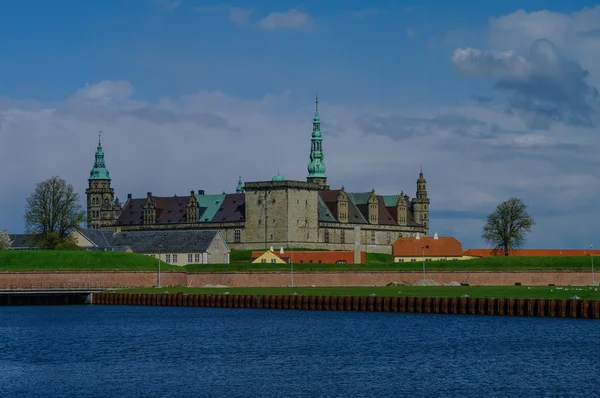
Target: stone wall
(147,279)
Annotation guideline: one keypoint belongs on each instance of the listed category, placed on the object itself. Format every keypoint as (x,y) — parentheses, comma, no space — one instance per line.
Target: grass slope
(38,260)
(102,261)
(545,292)
(482,264)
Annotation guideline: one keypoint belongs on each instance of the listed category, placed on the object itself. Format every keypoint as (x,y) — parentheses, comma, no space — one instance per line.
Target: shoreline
(588,309)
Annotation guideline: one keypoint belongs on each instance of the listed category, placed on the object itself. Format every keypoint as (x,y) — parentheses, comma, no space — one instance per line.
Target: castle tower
(316,167)
(421,202)
(240,186)
(102,210)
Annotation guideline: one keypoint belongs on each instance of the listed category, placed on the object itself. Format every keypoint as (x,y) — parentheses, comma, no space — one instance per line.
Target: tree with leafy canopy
(5,241)
(506,227)
(53,213)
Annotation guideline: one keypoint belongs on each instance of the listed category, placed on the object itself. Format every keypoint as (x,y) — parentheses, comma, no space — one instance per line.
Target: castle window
(271,237)
(196,258)
(326,237)
(342,236)
(189,258)
(175,258)
(168,258)
(373,237)
(237,236)
(259,221)
(388,238)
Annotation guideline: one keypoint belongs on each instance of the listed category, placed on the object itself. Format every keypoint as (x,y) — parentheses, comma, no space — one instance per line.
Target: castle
(279,212)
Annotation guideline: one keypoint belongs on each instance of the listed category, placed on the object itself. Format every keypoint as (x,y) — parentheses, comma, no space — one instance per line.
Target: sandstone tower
(102,208)
(421,202)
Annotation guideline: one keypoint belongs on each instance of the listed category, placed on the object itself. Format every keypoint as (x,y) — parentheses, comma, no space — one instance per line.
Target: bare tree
(53,213)
(506,227)
(5,241)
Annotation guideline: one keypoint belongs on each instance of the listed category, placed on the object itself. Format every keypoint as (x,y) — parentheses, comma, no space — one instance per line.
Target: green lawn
(545,292)
(38,260)
(102,261)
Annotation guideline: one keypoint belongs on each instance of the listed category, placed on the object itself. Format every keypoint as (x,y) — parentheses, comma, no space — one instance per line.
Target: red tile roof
(443,246)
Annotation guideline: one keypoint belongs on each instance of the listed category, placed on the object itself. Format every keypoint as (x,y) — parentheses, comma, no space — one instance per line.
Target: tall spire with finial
(240,186)
(316,167)
(99,171)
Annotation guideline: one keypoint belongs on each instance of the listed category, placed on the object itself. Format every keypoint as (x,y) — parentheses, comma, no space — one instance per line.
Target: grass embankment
(377,262)
(542,292)
(115,261)
(38,260)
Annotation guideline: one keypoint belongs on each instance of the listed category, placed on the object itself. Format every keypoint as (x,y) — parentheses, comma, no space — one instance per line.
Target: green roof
(324,213)
(390,200)
(99,171)
(210,204)
(360,198)
(278,177)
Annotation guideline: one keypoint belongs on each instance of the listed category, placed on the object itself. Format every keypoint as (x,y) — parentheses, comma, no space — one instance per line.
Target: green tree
(506,227)
(53,213)
(5,241)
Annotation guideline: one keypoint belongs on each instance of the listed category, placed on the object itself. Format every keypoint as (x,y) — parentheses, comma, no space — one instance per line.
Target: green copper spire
(99,172)
(316,167)
(240,186)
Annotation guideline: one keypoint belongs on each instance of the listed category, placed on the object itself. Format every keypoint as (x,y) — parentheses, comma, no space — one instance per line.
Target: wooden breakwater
(420,305)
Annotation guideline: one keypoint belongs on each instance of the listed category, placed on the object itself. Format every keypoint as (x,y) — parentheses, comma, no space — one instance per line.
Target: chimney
(417,236)
(281,251)
(435,235)
(128,196)
(201,192)
(192,193)
(149,194)
(271,248)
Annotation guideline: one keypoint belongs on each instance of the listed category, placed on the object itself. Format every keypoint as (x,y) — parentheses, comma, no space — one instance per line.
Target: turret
(402,210)
(101,210)
(342,206)
(421,202)
(316,167)
(373,208)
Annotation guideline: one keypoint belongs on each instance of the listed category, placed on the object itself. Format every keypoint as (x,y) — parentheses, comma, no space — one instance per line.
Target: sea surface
(128,351)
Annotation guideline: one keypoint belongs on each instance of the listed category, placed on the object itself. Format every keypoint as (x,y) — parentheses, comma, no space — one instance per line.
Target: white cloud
(292,19)
(577,34)
(240,16)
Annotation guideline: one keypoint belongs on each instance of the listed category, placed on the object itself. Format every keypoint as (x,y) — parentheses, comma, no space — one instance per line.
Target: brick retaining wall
(426,305)
(147,279)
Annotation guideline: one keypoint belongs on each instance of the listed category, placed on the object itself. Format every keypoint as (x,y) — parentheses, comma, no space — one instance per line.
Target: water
(127,351)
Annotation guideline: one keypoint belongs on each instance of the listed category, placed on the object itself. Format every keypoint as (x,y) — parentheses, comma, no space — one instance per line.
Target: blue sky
(492,99)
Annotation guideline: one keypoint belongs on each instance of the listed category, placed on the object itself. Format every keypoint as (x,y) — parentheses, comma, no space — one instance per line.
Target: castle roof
(173,210)
(358,208)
